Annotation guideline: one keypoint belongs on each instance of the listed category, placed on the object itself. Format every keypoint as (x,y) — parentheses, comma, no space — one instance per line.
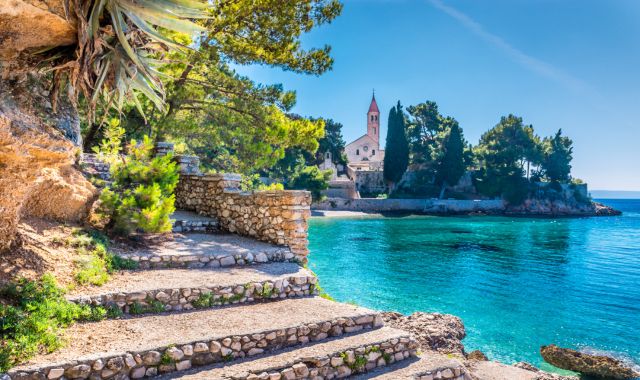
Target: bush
(141,197)
(313,179)
(32,317)
(96,262)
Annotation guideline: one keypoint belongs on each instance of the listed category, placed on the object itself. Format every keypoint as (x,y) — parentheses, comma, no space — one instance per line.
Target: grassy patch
(32,318)
(95,262)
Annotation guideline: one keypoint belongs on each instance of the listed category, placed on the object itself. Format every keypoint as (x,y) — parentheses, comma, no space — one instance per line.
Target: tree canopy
(557,156)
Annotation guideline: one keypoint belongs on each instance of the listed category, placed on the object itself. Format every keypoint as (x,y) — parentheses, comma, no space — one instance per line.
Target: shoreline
(371,207)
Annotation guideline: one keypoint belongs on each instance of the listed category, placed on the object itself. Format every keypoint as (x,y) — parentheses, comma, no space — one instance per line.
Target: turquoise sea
(517,283)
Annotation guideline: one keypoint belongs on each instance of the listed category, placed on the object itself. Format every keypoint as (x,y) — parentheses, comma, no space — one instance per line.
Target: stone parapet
(278,217)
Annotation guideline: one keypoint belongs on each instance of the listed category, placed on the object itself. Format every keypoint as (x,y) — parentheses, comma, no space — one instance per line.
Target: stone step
(205,250)
(429,366)
(140,292)
(187,222)
(334,358)
(149,345)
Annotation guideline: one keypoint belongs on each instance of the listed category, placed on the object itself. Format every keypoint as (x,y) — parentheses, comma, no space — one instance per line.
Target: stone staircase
(250,319)
(214,305)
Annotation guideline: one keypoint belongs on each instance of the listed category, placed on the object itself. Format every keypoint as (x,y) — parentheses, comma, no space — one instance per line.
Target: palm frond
(120,48)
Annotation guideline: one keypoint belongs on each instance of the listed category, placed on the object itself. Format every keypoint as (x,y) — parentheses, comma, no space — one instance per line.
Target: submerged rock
(477,355)
(434,331)
(591,365)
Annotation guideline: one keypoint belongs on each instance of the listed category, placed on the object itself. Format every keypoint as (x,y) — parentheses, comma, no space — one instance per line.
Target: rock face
(33,138)
(33,24)
(434,331)
(477,355)
(590,365)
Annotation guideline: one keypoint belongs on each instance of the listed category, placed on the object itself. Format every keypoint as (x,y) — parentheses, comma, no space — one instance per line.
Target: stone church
(364,153)
(363,173)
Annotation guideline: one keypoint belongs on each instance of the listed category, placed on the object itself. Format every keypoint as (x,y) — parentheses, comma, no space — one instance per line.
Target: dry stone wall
(278,217)
(150,363)
(342,364)
(179,299)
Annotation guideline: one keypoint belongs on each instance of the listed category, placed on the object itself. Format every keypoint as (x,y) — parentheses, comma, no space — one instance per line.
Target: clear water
(517,283)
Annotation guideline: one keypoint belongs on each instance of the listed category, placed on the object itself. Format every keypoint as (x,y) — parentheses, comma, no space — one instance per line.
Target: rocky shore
(335,207)
(443,333)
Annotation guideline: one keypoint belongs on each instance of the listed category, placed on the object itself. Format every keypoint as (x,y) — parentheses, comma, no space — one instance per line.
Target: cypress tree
(452,166)
(396,156)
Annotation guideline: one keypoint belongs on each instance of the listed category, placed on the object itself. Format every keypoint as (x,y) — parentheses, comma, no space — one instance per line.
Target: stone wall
(278,217)
(179,299)
(150,363)
(426,206)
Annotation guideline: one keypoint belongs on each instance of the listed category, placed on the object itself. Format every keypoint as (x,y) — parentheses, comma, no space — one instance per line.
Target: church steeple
(373,120)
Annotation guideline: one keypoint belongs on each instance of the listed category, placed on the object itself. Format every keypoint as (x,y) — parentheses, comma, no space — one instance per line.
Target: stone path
(205,250)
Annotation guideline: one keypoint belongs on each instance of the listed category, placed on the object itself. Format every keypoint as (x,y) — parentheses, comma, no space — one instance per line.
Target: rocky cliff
(37,145)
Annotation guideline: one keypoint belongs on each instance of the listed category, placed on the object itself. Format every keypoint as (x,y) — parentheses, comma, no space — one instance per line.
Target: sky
(570,64)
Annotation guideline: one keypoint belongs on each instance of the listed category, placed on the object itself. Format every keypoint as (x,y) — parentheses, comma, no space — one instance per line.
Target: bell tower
(373,120)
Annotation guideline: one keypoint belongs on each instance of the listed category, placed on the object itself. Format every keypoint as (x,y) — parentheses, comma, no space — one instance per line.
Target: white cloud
(531,63)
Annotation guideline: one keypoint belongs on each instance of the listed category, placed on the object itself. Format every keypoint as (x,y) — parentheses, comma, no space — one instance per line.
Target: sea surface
(517,283)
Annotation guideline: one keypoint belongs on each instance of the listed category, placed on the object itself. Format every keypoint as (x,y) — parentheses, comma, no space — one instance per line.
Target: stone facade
(278,217)
(150,363)
(192,298)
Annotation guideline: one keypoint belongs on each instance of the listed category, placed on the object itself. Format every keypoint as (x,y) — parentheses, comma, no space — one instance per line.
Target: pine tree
(396,158)
(558,154)
(452,166)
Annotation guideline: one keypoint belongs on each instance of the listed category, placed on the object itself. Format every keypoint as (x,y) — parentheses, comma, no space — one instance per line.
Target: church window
(372,117)
(357,152)
(373,152)
(366,148)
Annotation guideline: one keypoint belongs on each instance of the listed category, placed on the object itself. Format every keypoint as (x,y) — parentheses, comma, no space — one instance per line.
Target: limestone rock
(477,355)
(438,332)
(587,364)
(29,24)
(34,138)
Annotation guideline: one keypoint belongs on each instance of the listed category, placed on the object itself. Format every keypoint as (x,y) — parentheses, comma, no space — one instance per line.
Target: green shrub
(141,196)
(311,178)
(32,317)
(92,269)
(114,312)
(96,262)
(204,301)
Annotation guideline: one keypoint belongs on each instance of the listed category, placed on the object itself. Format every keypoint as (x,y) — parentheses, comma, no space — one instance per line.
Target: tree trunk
(89,138)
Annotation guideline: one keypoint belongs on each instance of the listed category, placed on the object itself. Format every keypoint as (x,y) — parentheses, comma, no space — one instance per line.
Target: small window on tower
(372,117)
(374,130)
